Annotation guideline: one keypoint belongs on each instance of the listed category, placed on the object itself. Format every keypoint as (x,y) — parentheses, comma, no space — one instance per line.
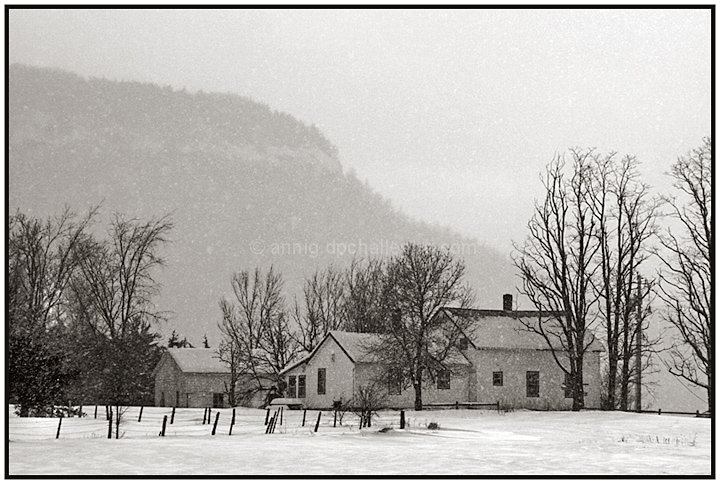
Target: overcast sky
(449,113)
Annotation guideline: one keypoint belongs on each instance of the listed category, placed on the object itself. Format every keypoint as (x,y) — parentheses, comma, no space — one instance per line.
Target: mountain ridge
(246,185)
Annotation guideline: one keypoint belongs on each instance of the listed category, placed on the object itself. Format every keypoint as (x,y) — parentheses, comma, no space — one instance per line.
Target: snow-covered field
(467,442)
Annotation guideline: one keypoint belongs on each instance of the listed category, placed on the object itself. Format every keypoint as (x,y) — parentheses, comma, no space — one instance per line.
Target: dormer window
(463,344)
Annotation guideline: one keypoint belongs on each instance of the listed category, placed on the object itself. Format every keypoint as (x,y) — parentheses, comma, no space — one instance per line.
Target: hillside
(245,185)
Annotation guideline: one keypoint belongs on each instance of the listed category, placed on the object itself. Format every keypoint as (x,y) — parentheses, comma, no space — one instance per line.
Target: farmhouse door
(217,400)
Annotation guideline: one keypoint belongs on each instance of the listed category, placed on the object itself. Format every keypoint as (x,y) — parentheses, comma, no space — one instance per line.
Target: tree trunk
(625,384)
(711,397)
(418,395)
(612,381)
(579,388)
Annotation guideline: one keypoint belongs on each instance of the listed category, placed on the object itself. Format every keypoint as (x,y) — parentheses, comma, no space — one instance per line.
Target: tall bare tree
(418,283)
(557,264)
(625,221)
(323,307)
(364,285)
(686,276)
(255,333)
(114,293)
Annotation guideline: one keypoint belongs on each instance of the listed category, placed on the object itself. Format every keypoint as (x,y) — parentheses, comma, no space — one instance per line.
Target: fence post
(304,412)
(162,432)
(107,413)
(275,421)
(498,406)
(267,416)
(110,428)
(80,411)
(659,411)
(457,405)
(95,411)
(140,416)
(232,422)
(172,416)
(281,415)
(335,419)
(217,416)
(402,419)
(369,419)
(697,413)
(204,413)
(57,435)
(317,424)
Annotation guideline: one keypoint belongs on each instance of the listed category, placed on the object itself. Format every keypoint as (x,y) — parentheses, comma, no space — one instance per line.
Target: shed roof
(497,329)
(198,360)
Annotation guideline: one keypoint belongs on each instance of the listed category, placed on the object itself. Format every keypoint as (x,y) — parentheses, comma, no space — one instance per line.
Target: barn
(498,361)
(195,377)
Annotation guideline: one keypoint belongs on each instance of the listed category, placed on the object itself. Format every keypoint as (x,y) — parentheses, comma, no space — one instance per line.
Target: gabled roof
(354,345)
(198,360)
(497,329)
(357,347)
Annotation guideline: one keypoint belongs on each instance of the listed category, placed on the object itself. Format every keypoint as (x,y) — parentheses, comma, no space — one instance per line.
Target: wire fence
(145,422)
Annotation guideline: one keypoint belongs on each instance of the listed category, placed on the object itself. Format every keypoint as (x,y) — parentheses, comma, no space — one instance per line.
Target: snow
(467,442)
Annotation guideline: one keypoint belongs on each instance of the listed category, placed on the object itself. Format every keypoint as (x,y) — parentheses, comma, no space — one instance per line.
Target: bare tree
(114,293)
(625,221)
(40,267)
(557,264)
(367,400)
(323,307)
(228,353)
(255,331)
(418,283)
(686,276)
(364,285)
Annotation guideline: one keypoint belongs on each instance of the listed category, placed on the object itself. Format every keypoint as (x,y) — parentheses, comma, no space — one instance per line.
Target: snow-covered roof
(357,345)
(497,329)
(198,360)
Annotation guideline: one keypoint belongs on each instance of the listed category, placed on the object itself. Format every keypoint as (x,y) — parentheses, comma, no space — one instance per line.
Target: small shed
(191,377)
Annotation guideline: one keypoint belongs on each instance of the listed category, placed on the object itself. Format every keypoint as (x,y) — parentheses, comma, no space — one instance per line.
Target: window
(532,383)
(301,386)
(568,386)
(292,389)
(463,344)
(497,378)
(395,381)
(321,381)
(443,380)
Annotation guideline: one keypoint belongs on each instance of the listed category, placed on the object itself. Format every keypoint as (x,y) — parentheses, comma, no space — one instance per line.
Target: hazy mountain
(246,186)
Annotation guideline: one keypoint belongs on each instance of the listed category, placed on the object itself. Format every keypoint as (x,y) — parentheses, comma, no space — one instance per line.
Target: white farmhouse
(499,361)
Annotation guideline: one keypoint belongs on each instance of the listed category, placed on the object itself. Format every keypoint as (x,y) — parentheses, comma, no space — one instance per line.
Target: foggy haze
(451,114)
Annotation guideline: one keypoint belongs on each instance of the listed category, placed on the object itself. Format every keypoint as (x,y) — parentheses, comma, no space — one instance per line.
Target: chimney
(507,302)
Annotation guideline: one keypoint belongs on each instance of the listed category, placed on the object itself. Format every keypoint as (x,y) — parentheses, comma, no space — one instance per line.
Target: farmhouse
(195,377)
(498,361)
